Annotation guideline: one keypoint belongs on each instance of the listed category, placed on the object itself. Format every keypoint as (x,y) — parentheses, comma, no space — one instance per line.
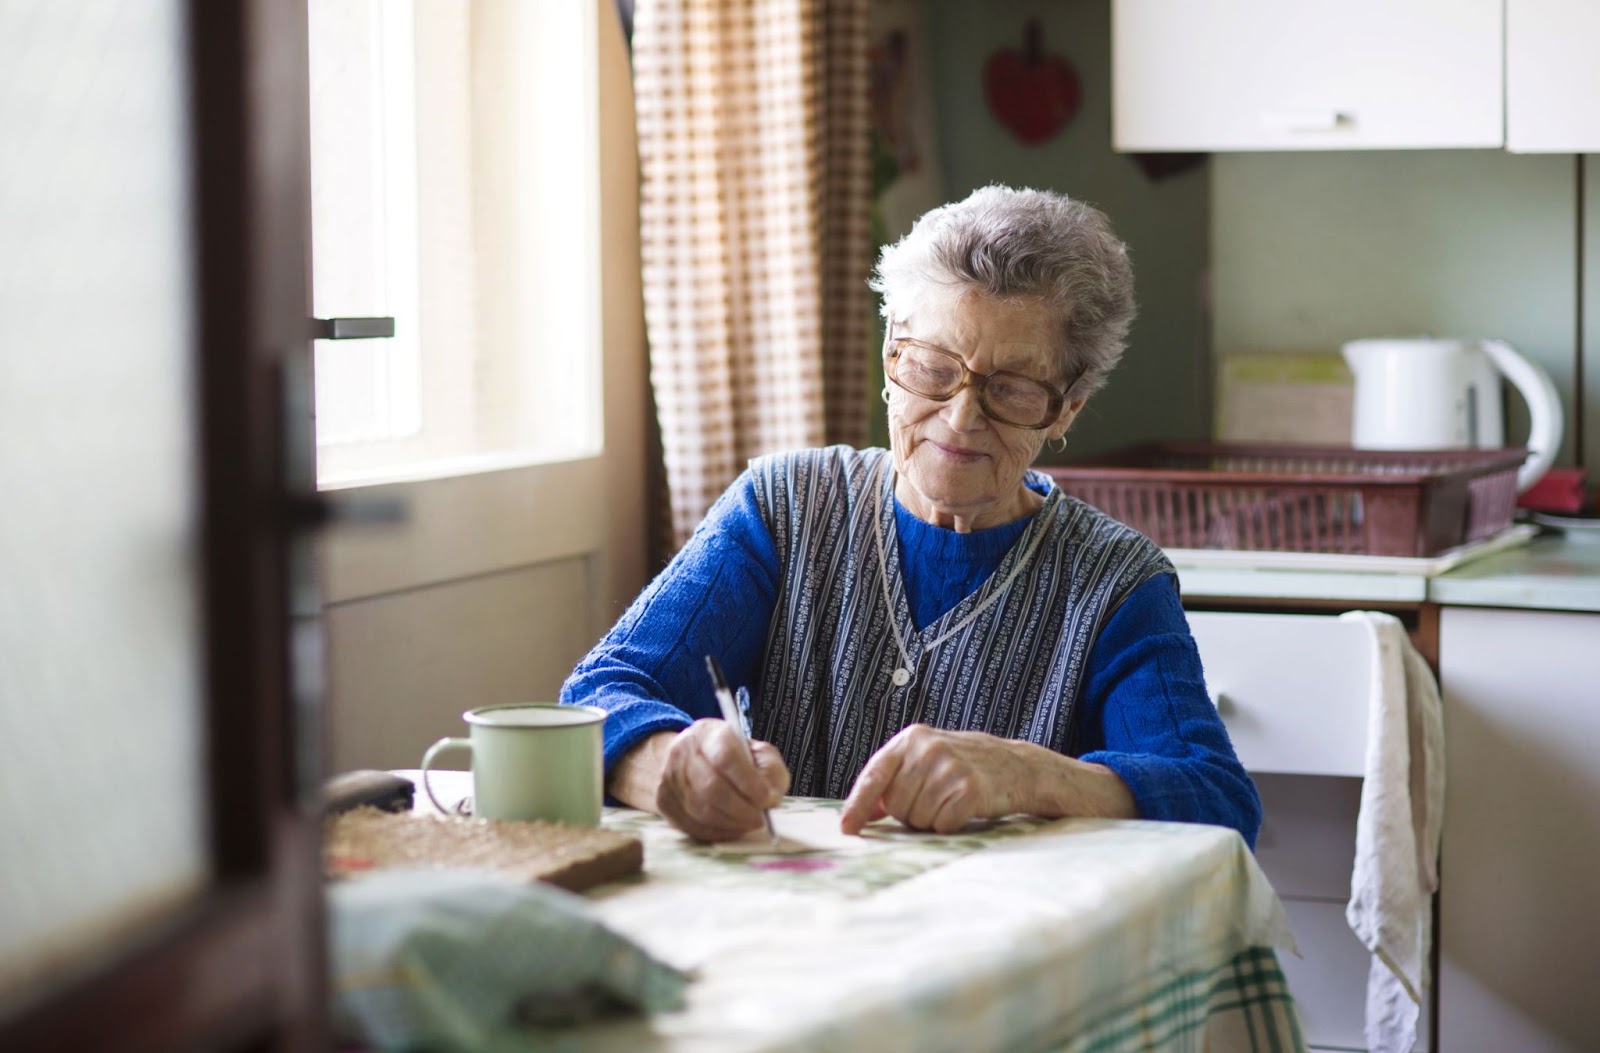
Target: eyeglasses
(934,373)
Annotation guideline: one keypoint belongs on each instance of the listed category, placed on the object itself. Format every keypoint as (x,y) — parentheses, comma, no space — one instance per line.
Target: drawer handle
(1308,121)
(1219,700)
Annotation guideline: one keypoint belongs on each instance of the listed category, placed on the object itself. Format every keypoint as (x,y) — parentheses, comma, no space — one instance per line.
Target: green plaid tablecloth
(1075,935)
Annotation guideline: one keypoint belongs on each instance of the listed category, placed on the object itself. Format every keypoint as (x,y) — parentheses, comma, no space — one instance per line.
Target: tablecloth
(1076,935)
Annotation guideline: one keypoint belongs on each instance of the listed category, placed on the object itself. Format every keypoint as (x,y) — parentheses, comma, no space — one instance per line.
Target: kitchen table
(1024,934)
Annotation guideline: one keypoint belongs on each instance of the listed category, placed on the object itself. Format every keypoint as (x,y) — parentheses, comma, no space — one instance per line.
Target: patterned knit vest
(827,700)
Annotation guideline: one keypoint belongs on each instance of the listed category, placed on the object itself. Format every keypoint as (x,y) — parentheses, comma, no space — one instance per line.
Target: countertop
(1554,571)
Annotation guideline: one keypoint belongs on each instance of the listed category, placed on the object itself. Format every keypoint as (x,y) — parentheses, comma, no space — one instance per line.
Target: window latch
(351,328)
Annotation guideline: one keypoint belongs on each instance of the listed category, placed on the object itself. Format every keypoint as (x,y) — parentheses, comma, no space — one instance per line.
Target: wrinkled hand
(935,780)
(710,790)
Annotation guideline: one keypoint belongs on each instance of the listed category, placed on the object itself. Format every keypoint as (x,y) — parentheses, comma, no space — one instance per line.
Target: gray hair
(1010,244)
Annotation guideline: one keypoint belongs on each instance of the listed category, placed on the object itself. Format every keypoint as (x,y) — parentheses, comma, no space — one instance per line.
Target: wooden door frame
(241,966)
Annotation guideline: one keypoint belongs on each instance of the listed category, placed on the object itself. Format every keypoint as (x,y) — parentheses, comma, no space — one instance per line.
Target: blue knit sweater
(1143,711)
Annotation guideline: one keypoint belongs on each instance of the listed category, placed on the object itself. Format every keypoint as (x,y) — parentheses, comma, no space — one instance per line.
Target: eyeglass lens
(937,374)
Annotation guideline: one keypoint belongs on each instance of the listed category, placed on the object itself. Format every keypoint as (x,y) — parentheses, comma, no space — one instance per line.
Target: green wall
(1312,249)
(1291,251)
(1589,352)
(1160,390)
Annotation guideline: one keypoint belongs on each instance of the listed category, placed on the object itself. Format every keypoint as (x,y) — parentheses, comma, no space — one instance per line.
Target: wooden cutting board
(571,857)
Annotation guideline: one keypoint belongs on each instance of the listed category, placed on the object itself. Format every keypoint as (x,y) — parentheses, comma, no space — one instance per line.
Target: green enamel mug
(530,760)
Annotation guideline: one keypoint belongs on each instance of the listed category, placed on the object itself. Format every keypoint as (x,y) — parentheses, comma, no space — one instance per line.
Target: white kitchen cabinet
(1293,690)
(1519,917)
(1552,76)
(1516,640)
(1334,979)
(1208,75)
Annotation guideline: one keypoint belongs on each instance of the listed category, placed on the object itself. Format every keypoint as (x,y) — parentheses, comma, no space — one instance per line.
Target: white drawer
(1292,688)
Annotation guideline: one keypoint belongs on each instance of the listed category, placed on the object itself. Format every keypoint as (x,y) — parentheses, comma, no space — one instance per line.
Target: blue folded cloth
(463,960)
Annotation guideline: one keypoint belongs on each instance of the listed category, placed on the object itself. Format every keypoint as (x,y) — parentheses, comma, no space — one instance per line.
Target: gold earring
(1063,443)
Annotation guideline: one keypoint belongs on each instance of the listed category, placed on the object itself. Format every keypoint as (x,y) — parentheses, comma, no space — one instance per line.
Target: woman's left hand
(936,780)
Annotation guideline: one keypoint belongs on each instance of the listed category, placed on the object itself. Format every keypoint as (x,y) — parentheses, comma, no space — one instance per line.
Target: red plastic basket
(1271,497)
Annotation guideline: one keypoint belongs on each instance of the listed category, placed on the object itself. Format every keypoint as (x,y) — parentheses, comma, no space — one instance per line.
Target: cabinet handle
(1311,121)
(1219,701)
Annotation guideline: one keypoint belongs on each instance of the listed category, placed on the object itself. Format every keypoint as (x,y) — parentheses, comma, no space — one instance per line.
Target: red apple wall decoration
(1032,92)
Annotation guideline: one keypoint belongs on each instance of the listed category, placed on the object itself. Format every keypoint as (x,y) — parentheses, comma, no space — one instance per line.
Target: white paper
(802,831)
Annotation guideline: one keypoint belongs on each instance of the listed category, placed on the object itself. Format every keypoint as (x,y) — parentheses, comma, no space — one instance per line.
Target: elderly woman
(933,632)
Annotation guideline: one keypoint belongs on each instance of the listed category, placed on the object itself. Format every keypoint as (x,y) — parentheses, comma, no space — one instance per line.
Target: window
(496,582)
(454,189)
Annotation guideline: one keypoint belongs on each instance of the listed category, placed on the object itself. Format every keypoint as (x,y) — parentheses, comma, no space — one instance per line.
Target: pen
(730,714)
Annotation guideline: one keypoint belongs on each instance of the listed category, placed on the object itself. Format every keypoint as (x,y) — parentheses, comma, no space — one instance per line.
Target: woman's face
(957,468)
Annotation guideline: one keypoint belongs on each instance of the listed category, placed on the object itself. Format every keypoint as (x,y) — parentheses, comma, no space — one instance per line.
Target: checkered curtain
(753,150)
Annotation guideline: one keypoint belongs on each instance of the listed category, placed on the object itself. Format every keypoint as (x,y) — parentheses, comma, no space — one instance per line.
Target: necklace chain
(888,597)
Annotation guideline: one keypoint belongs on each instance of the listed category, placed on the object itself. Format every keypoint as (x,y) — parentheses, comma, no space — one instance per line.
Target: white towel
(1397,834)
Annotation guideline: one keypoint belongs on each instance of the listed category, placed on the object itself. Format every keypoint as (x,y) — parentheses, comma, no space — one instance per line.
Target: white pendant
(901,677)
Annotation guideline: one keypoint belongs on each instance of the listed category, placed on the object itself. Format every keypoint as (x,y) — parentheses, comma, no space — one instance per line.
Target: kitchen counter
(1552,572)
(1511,637)
(1347,586)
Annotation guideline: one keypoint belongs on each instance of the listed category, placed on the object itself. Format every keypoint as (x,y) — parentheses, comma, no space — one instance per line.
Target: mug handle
(427,762)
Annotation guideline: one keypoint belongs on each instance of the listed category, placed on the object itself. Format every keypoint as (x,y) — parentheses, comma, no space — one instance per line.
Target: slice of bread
(571,857)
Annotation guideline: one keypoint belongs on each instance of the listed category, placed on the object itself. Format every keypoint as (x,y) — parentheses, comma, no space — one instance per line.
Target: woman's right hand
(706,785)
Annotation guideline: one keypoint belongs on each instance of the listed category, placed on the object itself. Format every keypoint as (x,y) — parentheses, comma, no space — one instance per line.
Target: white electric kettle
(1433,394)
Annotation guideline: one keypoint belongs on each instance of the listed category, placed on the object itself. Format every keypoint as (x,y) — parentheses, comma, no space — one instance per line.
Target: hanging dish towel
(1397,834)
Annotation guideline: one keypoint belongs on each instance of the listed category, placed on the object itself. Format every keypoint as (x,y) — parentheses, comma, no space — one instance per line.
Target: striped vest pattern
(826,698)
